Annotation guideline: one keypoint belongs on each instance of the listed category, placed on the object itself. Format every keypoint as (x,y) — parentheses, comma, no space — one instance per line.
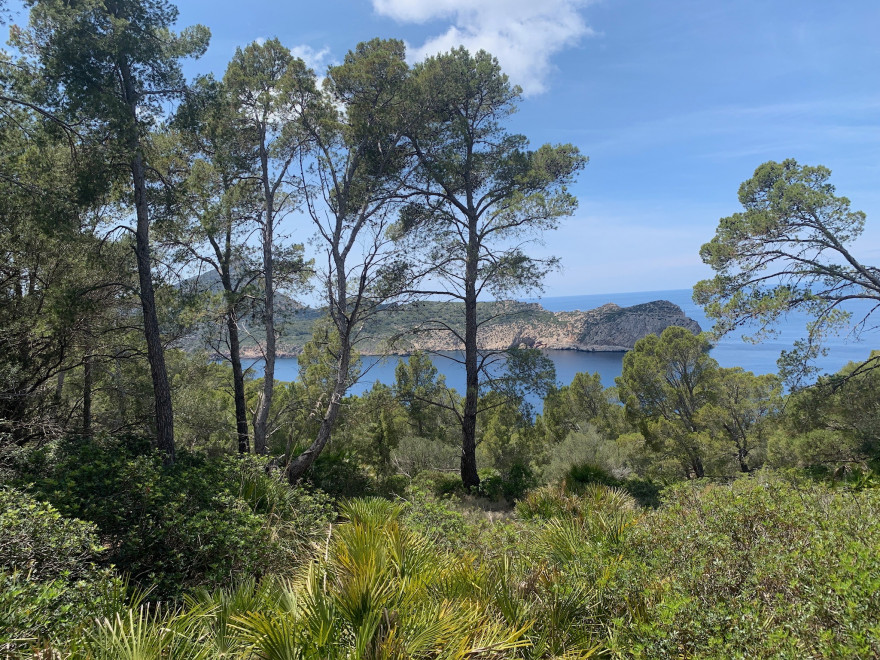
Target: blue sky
(675,103)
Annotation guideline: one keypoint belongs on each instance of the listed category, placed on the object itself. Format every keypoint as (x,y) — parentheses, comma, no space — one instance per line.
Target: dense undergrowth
(118,557)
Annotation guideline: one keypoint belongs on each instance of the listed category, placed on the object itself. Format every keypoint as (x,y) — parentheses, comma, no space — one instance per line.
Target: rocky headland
(417,326)
(607,328)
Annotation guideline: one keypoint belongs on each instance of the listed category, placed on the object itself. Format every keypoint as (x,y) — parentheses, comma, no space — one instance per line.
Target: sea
(730,351)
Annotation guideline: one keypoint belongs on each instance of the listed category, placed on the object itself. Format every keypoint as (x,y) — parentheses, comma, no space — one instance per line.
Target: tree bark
(241,421)
(224,267)
(341,319)
(87,396)
(155,350)
(297,468)
(469,476)
(261,417)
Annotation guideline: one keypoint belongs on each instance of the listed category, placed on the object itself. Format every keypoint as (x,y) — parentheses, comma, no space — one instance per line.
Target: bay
(731,351)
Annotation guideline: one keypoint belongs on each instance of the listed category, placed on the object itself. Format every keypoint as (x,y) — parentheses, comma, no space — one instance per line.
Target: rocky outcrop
(613,328)
(607,328)
(525,325)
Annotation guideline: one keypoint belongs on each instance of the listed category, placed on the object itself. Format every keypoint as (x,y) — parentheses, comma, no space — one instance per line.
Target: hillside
(417,326)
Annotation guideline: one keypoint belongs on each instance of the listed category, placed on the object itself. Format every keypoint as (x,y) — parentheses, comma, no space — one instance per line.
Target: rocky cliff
(504,324)
(607,328)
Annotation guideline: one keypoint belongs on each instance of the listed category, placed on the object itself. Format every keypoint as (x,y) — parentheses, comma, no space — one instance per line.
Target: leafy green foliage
(430,566)
(708,420)
(199,523)
(50,580)
(832,425)
(763,568)
(475,248)
(380,591)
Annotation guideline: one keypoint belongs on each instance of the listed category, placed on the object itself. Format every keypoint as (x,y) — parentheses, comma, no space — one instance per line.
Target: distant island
(403,329)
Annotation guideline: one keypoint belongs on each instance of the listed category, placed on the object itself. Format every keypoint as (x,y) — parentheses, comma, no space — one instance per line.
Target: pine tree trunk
(297,468)
(87,396)
(155,350)
(241,421)
(469,476)
(261,417)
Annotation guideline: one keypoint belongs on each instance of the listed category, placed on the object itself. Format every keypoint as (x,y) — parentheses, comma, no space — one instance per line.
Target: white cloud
(317,60)
(522,34)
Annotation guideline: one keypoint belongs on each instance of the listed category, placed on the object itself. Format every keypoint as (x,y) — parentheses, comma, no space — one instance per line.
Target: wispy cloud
(760,130)
(317,60)
(523,34)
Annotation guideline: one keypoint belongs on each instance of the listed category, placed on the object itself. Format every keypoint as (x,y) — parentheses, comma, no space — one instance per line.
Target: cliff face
(621,327)
(525,325)
(607,328)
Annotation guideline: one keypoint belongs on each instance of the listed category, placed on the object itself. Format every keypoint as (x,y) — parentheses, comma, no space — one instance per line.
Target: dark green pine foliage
(479,195)
(111,67)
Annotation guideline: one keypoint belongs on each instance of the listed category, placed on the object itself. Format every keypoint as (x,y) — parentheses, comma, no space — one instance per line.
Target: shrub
(547,502)
(339,474)
(200,522)
(585,447)
(49,579)
(415,454)
(377,590)
(582,474)
(439,484)
(760,568)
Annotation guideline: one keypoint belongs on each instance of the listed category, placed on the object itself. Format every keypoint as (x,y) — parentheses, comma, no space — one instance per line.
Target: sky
(675,103)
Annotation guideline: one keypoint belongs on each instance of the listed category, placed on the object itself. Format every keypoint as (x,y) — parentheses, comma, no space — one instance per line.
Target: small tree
(418,386)
(788,250)
(665,382)
(222,204)
(709,420)
(741,414)
(572,407)
(60,284)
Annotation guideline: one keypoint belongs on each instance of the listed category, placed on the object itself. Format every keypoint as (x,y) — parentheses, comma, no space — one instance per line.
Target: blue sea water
(731,351)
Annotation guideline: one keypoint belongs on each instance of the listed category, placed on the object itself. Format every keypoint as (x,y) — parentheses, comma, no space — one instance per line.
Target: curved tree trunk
(297,468)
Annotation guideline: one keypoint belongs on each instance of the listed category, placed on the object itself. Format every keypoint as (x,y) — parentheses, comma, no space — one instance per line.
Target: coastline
(609,328)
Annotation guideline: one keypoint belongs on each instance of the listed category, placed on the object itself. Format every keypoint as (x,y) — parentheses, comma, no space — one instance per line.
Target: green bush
(415,454)
(509,484)
(645,491)
(547,502)
(339,474)
(437,483)
(436,520)
(761,568)
(582,474)
(201,522)
(50,583)
(37,540)
(586,446)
